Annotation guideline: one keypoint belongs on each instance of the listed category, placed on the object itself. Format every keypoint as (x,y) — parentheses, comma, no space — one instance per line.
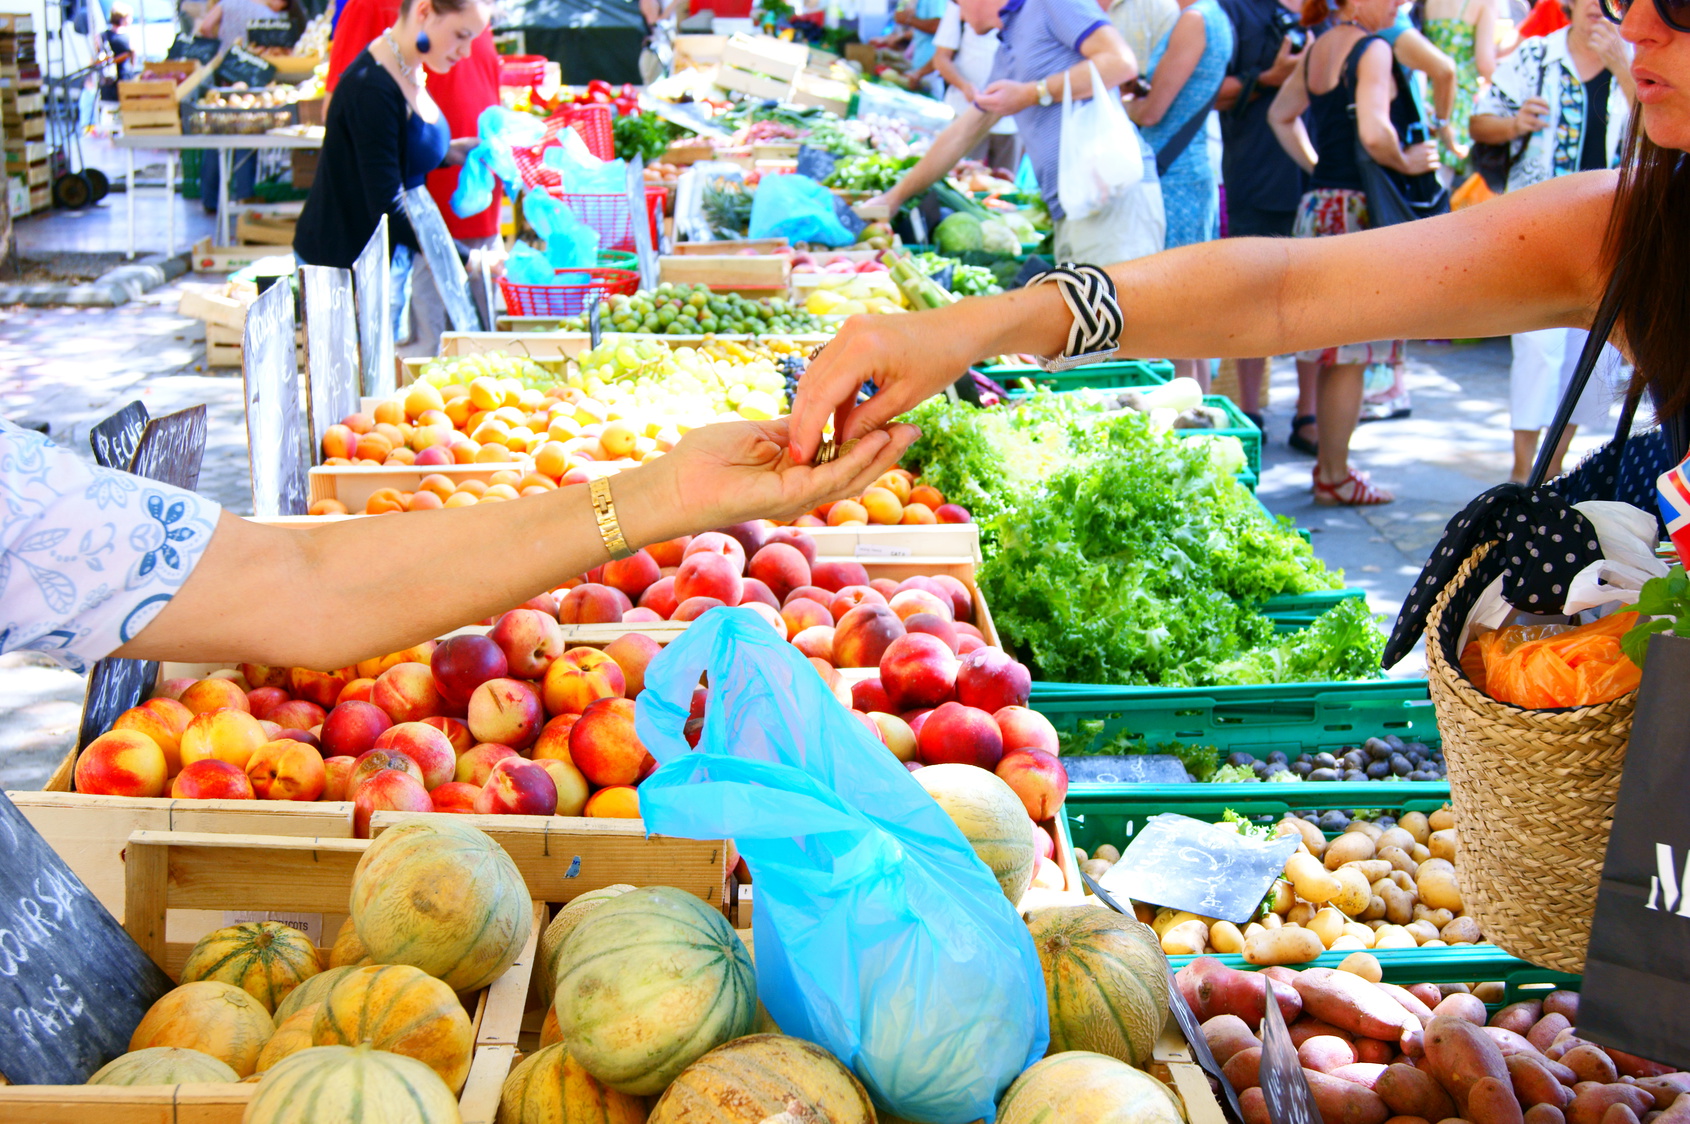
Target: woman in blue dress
(1185,70)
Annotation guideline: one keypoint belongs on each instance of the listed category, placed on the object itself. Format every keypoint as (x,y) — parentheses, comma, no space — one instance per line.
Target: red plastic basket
(522,70)
(567,300)
(594,123)
(607,214)
(656,195)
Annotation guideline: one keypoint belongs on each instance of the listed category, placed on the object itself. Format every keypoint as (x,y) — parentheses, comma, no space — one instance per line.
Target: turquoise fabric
(1189,194)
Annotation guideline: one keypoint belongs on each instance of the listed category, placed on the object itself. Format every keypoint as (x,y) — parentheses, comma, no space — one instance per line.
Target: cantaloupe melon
(751,1079)
(265,959)
(401,1009)
(1079,1086)
(1106,981)
(551,941)
(214,1017)
(550,1032)
(550,1087)
(992,819)
(309,993)
(348,950)
(164,1065)
(293,1034)
(443,897)
(647,984)
(351,1085)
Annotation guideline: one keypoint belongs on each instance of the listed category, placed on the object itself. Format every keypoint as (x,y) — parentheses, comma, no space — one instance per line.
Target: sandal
(1298,441)
(1354,490)
(1256,419)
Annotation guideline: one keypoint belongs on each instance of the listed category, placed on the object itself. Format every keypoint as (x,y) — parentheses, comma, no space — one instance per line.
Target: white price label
(875,550)
(311,924)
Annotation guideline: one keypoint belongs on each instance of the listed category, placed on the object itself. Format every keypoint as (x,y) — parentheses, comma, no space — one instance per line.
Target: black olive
(1302,768)
(1279,756)
(1400,765)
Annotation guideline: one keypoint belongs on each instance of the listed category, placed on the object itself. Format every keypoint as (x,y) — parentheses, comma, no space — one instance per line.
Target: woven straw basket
(1534,798)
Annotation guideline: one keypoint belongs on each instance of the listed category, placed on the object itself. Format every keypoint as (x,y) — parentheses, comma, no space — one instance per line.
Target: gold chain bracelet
(604,509)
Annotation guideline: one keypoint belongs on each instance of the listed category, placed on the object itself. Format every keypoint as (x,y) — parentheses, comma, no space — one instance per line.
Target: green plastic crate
(1114,813)
(1467,964)
(1534,982)
(1250,480)
(1302,532)
(1121,374)
(1248,433)
(1292,612)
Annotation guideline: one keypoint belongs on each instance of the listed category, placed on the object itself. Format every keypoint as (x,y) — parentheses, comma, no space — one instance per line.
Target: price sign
(1184,863)
(817,163)
(1145,768)
(371,282)
(1284,1087)
(241,65)
(115,439)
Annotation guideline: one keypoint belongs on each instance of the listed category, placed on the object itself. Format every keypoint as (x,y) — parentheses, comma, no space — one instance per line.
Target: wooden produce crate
(39,174)
(13,23)
(353,484)
(152,103)
(40,198)
(688,152)
(825,93)
(765,55)
(24,153)
(265,230)
(172,870)
(225,309)
(227,259)
(303,161)
(18,104)
(698,50)
(759,274)
(755,245)
(31,128)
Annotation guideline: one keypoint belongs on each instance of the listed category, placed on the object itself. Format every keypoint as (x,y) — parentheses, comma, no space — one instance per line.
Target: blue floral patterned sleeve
(88,555)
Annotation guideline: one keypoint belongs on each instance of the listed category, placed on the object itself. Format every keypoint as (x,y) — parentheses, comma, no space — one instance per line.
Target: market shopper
(105,563)
(1465,30)
(1540,257)
(963,57)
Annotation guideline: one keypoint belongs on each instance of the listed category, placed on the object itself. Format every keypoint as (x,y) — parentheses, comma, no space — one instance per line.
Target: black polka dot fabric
(1622,470)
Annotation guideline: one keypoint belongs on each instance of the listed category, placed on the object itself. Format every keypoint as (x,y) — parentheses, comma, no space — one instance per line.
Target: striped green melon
(1106,981)
(401,1009)
(312,991)
(550,1087)
(351,1085)
(764,1077)
(265,959)
(164,1065)
(551,941)
(443,897)
(1079,1086)
(209,1015)
(647,984)
(991,817)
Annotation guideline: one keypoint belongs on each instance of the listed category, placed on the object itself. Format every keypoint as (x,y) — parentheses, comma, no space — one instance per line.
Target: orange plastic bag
(1545,666)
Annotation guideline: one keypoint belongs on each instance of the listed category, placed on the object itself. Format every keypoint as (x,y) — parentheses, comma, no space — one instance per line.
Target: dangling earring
(423,44)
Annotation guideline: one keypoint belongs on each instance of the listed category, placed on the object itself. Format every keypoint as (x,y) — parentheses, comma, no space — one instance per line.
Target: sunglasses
(1674,13)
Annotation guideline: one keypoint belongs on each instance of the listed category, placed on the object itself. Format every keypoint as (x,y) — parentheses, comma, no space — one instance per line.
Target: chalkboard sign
(241,65)
(848,218)
(444,264)
(275,435)
(115,439)
(331,349)
(595,325)
(73,985)
(1184,863)
(172,449)
(817,163)
(270,33)
(201,48)
(375,316)
(114,685)
(1146,768)
(1284,1087)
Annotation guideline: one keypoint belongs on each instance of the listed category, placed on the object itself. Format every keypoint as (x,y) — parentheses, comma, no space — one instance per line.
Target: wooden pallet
(24,153)
(39,174)
(40,198)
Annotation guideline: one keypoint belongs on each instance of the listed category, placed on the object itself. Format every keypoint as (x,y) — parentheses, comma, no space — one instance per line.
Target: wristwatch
(1043,89)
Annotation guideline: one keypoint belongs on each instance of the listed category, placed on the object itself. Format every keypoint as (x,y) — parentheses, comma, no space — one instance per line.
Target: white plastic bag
(1100,157)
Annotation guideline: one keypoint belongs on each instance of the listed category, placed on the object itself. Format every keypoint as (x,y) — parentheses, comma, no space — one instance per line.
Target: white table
(223,144)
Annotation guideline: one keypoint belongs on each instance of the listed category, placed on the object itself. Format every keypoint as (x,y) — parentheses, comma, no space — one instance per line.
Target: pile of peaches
(897,497)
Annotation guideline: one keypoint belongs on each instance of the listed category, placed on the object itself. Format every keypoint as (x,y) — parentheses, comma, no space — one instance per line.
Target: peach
(543,602)
(456,732)
(907,602)
(809,520)
(226,735)
(965,629)
(917,515)
(633,653)
(286,770)
(705,574)
(991,680)
(958,734)
(772,616)
(868,724)
(475,765)
(659,597)
(408,693)
(271,730)
(259,675)
(836,684)
(1026,729)
(962,602)
(304,736)
(434,456)
(506,711)
(886,587)
(427,746)
(215,694)
(371,762)
(952,513)
(353,727)
(754,591)
(882,505)
(1038,778)
(926,494)
(572,787)
(923,582)
(969,644)
(530,639)
(320,687)
(1043,843)
(387,791)
(852,596)
(814,593)
(801,613)
(639,614)
(750,535)
(593,603)
(933,625)
(632,575)
(356,691)
(210,779)
(835,576)
(173,688)
(340,441)
(337,771)
(553,742)
(694,607)
(669,553)
(847,513)
(605,746)
(517,787)
(232,676)
(915,719)
(463,663)
(580,677)
(795,538)
(896,734)
(780,566)
(158,729)
(720,544)
(616,802)
(122,763)
(817,642)
(919,671)
(175,715)
(456,797)
(863,636)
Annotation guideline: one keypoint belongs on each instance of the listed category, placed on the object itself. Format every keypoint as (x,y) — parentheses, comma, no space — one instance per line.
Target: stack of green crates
(1119,374)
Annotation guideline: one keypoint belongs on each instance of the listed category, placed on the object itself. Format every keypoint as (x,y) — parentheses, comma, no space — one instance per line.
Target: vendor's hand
(889,199)
(458,151)
(966,89)
(902,17)
(1420,158)
(735,471)
(1283,64)
(1006,98)
(1533,115)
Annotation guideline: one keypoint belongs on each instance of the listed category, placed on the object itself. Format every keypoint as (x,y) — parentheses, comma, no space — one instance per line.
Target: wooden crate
(688,152)
(31,128)
(265,230)
(765,55)
(39,174)
(12,23)
(755,245)
(40,198)
(18,104)
(221,309)
(542,345)
(698,50)
(728,272)
(738,81)
(222,355)
(303,164)
(226,259)
(171,870)
(824,93)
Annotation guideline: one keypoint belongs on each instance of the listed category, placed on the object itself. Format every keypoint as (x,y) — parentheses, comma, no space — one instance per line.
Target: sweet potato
(1543,1032)
(1307,1028)
(1518,1017)
(1325,1053)
(1591,1105)
(1409,1001)
(1345,1102)
(1509,1042)
(1562,1003)
(1667,1088)
(1408,1120)
(1591,1064)
(1212,988)
(1362,1073)
(1492,1102)
(1254,1106)
(1545,1114)
(1535,1084)
(1619,1114)
(1460,1054)
(1677,1110)
(1226,1035)
(1411,1092)
(1286,976)
(1630,1065)
(1375,1050)
(1566,1042)
(1433,994)
(1243,1069)
(1461,1006)
(1354,1004)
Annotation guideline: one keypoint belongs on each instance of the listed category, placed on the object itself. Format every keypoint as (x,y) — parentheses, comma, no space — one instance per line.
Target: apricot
(847,513)
(492,454)
(422,397)
(384,501)
(472,487)
(390,412)
(373,447)
(927,496)
(425,501)
(615,802)
(882,506)
(438,483)
(328,507)
(340,441)
(917,514)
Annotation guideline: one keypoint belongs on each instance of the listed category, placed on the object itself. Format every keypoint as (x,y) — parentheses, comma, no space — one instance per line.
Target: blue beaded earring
(423,44)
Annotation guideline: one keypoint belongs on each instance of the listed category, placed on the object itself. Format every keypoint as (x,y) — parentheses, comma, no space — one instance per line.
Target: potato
(1459,1054)
(1167,918)
(1589,1063)
(1226,1035)
(1188,938)
(1107,851)
(1290,945)
(1423,931)
(1534,1084)
(1363,965)
(1355,891)
(1416,825)
(1404,881)
(1328,925)
(1344,1102)
(1492,1102)
(1438,917)
(1399,904)
(1462,929)
(1372,830)
(1253,1105)
(1080,856)
(1441,820)
(1491,991)
(1442,844)
(1562,1003)
(1399,859)
(1325,1053)
(1375,1051)
(1252,927)
(1347,942)
(1436,885)
(1375,910)
(1313,838)
(1376,925)
(1243,1069)
(1144,912)
(1413,1092)
(1461,1006)
(1352,846)
(1360,932)
(1544,1114)
(1365,1074)
(1272,921)
(1398,838)
(1225,937)
(1372,869)
(1312,881)
(1419,853)
(1518,1017)
(1097,868)
(1301,914)
(1591,1105)
(1281,898)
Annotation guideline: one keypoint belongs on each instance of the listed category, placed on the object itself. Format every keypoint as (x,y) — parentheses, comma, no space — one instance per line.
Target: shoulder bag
(1494,162)
(1394,197)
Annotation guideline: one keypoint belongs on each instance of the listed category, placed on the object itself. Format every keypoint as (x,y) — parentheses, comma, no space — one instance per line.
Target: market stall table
(224,144)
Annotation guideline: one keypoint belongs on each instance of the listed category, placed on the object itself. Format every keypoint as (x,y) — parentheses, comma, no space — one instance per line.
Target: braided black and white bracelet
(1098,321)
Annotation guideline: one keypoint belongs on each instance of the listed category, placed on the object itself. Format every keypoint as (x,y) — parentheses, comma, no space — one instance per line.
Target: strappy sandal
(1300,443)
(1354,490)
(1256,420)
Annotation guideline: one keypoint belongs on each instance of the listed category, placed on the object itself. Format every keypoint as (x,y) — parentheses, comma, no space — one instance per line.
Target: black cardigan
(360,172)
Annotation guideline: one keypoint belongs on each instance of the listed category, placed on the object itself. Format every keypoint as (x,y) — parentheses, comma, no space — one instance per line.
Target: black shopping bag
(1637,977)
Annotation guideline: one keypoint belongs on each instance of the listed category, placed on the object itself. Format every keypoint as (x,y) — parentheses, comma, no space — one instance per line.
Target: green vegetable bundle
(645,135)
(868,173)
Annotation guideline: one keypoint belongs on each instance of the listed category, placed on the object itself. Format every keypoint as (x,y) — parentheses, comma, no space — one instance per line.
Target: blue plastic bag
(570,243)
(879,934)
(474,192)
(582,172)
(528,266)
(500,130)
(796,207)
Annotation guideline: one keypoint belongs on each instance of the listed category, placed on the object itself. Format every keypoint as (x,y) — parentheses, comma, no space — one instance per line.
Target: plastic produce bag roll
(879,934)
